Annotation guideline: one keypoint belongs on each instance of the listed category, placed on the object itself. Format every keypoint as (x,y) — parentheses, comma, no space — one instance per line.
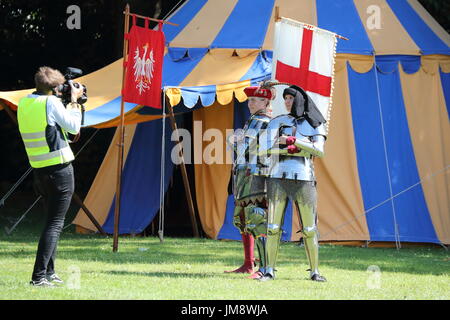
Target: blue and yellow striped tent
(385,176)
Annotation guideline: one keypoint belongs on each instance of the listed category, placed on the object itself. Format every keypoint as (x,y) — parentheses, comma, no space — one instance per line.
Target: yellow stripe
(211,181)
(391,37)
(303,11)
(430,134)
(226,92)
(219,66)
(103,188)
(204,27)
(340,198)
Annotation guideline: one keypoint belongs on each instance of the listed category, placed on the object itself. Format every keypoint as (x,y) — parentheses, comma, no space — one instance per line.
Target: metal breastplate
(293,167)
(246,157)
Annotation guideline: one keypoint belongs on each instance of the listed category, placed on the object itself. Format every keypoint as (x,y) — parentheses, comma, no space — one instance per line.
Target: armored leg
(306,202)
(256,217)
(277,198)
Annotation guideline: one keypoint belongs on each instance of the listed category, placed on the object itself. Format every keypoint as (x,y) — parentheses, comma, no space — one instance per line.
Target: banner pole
(121,134)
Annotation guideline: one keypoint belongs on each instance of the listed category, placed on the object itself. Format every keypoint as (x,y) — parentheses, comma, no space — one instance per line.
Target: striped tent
(385,176)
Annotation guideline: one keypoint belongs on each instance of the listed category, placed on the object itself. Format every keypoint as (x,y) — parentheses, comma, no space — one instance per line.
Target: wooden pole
(277,18)
(184,174)
(152,19)
(121,135)
(277,14)
(91,217)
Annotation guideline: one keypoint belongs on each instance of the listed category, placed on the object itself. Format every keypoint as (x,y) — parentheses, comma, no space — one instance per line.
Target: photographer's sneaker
(41,283)
(55,279)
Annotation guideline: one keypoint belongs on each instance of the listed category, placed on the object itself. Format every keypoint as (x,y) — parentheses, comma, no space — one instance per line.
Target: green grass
(180,268)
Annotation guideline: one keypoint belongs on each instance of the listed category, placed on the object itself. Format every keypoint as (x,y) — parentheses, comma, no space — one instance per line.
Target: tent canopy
(384,176)
(220,47)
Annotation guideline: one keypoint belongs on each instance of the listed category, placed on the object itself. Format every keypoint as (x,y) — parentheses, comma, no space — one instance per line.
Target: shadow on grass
(175,274)
(426,261)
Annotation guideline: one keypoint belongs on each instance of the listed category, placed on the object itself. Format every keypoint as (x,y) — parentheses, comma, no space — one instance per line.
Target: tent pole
(121,135)
(91,217)
(187,188)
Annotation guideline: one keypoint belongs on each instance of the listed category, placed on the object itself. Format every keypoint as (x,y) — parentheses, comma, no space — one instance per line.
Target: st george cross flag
(144,67)
(305,55)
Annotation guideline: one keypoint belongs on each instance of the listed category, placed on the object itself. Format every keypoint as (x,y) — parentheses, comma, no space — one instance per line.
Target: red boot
(249,259)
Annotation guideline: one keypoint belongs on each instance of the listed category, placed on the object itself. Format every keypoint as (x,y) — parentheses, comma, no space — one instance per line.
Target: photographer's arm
(68,119)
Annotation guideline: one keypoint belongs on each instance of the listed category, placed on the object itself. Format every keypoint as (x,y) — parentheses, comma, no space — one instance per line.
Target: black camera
(65,89)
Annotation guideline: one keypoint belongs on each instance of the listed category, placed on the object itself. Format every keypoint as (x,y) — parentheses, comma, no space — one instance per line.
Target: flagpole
(277,18)
(121,134)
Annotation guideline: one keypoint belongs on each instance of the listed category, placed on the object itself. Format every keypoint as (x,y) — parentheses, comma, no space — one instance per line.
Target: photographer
(43,124)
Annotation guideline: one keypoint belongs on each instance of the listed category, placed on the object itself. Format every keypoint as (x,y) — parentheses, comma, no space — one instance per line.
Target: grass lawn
(182,268)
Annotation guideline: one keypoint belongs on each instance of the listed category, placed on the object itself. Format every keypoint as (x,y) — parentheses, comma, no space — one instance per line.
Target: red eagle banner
(144,67)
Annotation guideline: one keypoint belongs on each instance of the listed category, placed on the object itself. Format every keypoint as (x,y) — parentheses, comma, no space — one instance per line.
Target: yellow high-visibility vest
(32,118)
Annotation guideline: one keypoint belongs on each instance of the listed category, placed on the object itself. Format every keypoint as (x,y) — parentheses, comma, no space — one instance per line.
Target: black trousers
(56,185)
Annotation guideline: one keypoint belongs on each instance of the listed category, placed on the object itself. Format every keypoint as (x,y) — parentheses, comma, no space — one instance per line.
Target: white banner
(304,55)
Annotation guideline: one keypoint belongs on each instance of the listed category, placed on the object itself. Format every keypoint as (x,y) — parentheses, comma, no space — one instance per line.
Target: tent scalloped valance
(388,64)
(223,94)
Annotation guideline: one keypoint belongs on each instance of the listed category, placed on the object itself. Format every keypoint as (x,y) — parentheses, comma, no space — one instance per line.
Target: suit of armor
(291,176)
(250,190)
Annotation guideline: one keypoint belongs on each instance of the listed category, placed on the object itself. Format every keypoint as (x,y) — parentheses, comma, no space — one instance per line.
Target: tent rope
(14,187)
(429,177)
(397,235)
(172,10)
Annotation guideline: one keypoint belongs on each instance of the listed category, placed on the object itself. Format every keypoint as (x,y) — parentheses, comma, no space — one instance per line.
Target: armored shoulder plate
(257,122)
(306,130)
(283,120)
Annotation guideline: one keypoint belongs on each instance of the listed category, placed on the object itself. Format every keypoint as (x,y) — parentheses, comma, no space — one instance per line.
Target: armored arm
(313,146)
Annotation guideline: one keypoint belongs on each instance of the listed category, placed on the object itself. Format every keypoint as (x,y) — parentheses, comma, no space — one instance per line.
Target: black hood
(304,107)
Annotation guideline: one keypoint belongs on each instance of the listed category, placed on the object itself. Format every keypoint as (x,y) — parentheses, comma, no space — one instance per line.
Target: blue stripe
(411,212)
(141,179)
(423,36)
(372,167)
(342,18)
(287,224)
(246,26)
(241,114)
(182,18)
(260,70)
(410,64)
(445,82)
(191,95)
(175,71)
(106,112)
(230,232)
(413,217)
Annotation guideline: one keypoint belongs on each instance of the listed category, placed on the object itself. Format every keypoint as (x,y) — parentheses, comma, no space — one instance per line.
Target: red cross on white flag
(304,55)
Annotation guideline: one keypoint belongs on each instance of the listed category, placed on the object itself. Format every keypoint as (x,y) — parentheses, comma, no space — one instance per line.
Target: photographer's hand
(75,92)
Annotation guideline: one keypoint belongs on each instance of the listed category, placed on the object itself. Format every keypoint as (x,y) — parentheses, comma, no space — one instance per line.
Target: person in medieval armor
(249,182)
(293,141)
